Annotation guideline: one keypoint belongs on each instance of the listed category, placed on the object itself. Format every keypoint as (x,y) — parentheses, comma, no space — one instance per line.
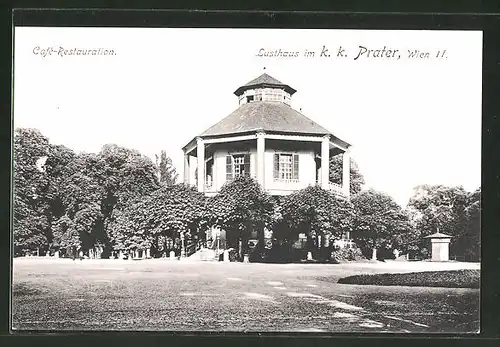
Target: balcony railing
(334,187)
(287,180)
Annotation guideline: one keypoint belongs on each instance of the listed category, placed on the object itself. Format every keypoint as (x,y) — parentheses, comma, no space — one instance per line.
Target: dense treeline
(119,201)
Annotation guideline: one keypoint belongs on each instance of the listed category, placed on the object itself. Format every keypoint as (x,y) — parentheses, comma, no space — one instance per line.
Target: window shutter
(247,164)
(276,166)
(229,168)
(295,166)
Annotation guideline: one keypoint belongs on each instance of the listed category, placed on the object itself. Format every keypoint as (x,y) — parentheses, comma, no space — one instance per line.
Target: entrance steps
(203,254)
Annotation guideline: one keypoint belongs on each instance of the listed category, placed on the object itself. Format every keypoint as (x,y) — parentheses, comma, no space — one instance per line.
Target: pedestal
(440,249)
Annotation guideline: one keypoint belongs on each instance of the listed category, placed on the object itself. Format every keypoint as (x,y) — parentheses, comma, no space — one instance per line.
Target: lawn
(211,296)
(447,279)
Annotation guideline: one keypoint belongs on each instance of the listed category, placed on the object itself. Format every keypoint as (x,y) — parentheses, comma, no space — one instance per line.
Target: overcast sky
(410,121)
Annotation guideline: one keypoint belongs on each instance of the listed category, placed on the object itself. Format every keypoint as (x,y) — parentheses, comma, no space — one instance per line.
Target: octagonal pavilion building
(265,138)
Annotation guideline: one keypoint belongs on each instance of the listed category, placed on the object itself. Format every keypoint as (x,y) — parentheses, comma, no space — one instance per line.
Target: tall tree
(240,208)
(125,177)
(66,200)
(379,221)
(31,206)
(357,180)
(167,174)
(439,208)
(317,213)
(168,212)
(467,243)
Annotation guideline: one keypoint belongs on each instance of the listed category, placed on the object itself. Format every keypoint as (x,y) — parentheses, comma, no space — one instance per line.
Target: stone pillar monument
(440,246)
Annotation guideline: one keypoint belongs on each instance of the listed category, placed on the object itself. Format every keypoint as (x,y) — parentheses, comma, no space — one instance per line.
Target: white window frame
(285,166)
(238,161)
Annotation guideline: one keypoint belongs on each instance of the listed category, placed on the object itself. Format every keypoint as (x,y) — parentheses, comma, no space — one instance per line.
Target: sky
(410,121)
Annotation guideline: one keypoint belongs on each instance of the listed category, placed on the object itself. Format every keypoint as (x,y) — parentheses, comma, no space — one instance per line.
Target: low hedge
(447,279)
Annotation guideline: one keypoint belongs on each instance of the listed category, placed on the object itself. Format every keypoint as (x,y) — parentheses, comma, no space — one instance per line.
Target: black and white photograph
(246,180)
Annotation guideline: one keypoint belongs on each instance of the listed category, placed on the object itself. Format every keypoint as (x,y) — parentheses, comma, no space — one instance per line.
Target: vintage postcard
(246,180)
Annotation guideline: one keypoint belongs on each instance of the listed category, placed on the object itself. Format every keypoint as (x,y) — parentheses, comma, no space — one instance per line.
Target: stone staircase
(203,254)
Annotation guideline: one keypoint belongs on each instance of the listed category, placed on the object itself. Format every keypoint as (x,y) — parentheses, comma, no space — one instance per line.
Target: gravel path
(60,294)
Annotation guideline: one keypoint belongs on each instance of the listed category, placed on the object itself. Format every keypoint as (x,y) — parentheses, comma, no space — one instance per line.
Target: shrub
(347,254)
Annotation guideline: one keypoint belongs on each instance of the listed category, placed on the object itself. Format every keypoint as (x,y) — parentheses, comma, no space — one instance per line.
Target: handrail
(286,180)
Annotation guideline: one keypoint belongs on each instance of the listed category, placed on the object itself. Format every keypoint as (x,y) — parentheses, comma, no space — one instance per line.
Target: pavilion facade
(265,138)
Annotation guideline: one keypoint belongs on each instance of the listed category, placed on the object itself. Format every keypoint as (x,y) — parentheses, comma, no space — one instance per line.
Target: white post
(261,145)
(346,172)
(148,253)
(186,168)
(183,248)
(201,164)
(325,162)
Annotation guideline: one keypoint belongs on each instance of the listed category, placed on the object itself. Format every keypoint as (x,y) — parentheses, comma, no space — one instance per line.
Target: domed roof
(270,116)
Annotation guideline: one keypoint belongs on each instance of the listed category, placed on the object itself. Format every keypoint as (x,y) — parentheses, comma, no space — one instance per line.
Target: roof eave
(286,87)
(334,138)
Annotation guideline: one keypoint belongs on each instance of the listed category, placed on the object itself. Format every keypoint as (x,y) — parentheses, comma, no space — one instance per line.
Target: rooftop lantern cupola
(264,88)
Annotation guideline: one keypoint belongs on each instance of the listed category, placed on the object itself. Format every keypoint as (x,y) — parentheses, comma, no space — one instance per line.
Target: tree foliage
(167,174)
(469,242)
(379,221)
(64,200)
(357,180)
(316,211)
(241,207)
(449,210)
(31,185)
(167,212)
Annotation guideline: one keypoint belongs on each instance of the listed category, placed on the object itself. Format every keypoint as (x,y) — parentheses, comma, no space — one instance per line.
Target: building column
(325,162)
(186,168)
(261,146)
(346,172)
(201,164)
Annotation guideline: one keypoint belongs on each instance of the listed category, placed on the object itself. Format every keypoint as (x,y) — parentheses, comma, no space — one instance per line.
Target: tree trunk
(374,254)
